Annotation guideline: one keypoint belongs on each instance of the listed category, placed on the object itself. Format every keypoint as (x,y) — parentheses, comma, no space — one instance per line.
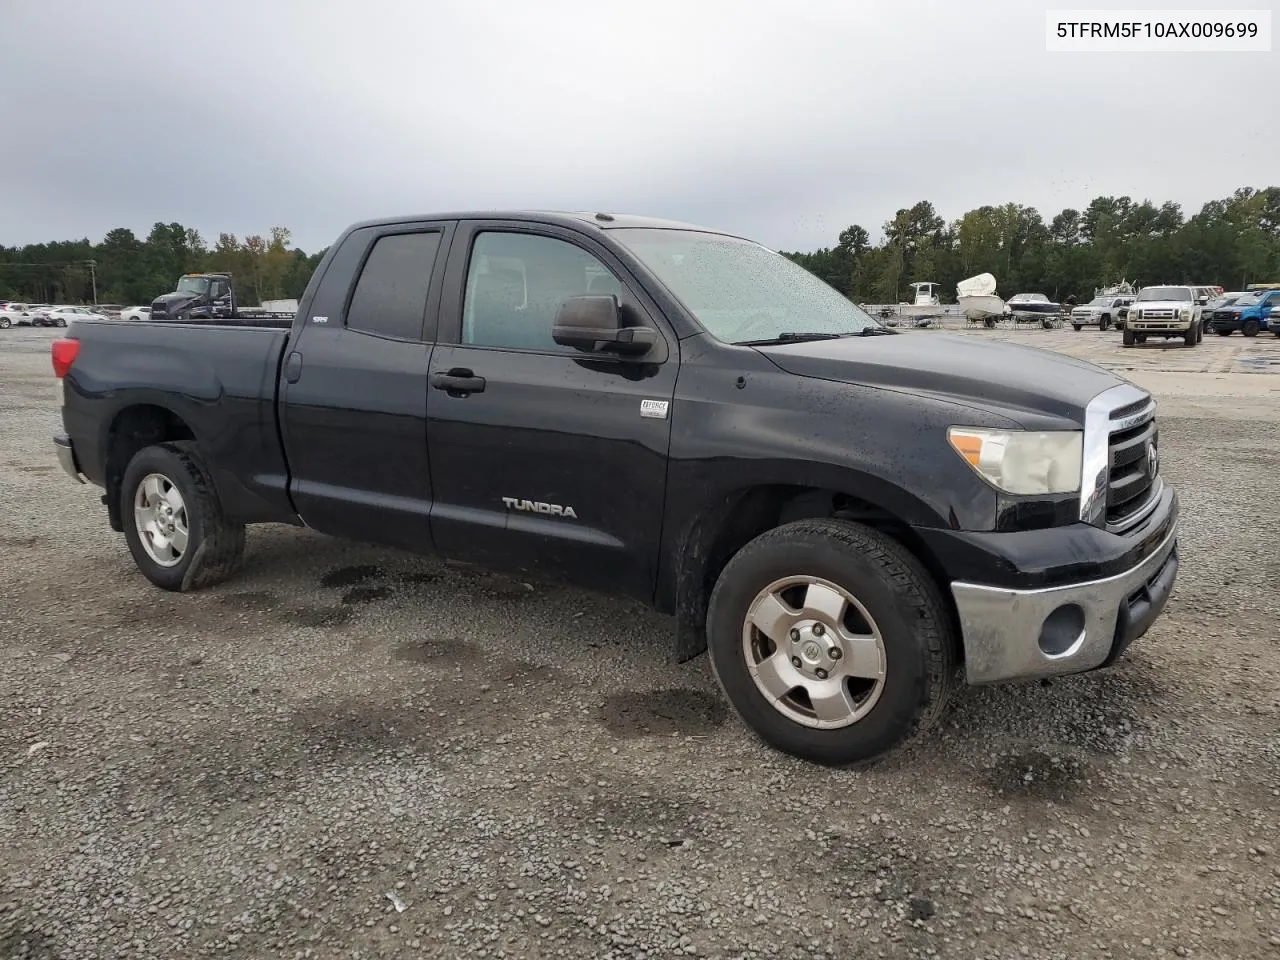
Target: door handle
(293,367)
(458,382)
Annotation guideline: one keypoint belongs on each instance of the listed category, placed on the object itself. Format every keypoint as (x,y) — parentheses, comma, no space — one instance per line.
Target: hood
(965,369)
(170,303)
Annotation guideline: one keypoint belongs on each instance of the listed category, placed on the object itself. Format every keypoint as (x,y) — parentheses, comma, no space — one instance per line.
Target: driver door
(547,460)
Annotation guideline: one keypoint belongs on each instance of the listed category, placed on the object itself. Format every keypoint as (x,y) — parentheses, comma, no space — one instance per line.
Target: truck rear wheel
(831,641)
(173,520)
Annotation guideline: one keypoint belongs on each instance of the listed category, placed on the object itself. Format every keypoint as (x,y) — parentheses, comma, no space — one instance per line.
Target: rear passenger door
(354,387)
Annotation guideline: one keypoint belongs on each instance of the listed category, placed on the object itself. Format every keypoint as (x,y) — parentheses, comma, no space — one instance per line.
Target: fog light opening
(1062,632)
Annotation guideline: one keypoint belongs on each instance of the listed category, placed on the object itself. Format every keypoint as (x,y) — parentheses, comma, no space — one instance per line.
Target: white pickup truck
(1099,312)
(1164,312)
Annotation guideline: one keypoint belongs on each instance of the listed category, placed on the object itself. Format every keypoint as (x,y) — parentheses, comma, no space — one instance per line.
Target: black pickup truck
(841,515)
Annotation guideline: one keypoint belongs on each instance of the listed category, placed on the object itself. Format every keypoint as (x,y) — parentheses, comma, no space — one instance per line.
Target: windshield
(738,290)
(1164,293)
(1248,300)
(1100,302)
(197,285)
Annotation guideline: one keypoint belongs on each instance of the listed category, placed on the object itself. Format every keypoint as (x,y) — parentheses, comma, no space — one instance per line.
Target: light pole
(93,278)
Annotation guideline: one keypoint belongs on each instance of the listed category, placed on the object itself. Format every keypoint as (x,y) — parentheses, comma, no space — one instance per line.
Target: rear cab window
(390,296)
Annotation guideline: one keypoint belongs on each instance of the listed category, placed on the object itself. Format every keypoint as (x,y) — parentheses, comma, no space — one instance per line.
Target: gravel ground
(350,752)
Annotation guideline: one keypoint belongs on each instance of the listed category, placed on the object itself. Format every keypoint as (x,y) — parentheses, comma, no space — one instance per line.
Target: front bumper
(1019,634)
(1159,326)
(67,457)
(1231,323)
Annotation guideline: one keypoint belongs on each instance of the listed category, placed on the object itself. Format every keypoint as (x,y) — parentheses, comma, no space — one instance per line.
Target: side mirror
(1202,301)
(593,324)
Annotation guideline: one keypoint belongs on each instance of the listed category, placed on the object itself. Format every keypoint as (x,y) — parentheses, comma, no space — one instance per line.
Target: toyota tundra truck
(1165,312)
(847,519)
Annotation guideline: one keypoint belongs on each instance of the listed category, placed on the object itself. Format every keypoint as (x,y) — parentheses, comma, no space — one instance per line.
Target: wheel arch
(133,428)
(722,529)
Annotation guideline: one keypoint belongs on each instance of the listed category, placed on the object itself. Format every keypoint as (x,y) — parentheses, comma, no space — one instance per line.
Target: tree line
(1230,243)
(124,269)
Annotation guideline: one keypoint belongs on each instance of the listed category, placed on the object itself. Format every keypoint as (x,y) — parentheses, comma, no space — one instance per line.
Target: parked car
(1164,312)
(1099,312)
(61,316)
(39,314)
(14,314)
(135,313)
(109,310)
(839,514)
(1250,313)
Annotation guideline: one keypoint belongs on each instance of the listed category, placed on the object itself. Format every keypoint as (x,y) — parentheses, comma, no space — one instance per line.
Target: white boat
(924,303)
(978,301)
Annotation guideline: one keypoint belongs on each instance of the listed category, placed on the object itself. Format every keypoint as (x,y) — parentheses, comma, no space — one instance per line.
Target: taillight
(65,351)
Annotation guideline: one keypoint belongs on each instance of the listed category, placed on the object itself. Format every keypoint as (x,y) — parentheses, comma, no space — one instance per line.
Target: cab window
(516,283)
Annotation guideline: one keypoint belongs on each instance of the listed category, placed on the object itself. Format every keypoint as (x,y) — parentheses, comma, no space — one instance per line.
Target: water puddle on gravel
(657,713)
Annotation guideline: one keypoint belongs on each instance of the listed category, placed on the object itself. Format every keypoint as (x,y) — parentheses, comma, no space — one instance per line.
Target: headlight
(1021,462)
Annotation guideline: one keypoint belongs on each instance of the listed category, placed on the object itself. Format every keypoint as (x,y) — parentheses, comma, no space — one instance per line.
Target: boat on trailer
(978,302)
(925,302)
(1033,308)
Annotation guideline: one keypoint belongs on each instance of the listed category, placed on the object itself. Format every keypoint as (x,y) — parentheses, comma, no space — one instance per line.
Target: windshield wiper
(876,332)
(792,337)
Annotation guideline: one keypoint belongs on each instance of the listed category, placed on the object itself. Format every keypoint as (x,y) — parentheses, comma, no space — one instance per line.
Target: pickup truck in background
(1165,312)
(1099,312)
(842,516)
(1250,313)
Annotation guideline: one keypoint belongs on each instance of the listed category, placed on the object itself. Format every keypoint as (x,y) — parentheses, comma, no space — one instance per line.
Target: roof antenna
(605,217)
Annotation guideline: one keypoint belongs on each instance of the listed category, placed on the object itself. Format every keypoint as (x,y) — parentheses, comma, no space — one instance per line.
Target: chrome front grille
(1120,482)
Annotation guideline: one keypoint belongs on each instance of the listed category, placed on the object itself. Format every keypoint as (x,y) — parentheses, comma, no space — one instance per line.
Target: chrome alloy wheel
(160,514)
(814,652)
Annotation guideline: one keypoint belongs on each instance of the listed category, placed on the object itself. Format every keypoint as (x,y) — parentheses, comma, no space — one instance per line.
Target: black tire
(1223,333)
(62,321)
(899,595)
(1200,333)
(5,323)
(1142,337)
(1105,323)
(1129,339)
(1251,328)
(989,323)
(1189,338)
(214,546)
(1075,327)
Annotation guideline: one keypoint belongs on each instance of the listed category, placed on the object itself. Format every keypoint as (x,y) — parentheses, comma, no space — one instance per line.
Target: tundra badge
(655,409)
(535,506)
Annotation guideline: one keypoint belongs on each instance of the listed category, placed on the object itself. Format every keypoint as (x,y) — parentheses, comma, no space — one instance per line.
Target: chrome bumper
(1027,634)
(67,458)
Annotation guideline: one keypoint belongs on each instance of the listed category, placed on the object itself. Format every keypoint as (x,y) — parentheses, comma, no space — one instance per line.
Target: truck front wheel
(831,641)
(1128,338)
(1251,328)
(173,520)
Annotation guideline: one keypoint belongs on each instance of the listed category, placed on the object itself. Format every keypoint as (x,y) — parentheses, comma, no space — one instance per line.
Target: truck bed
(220,377)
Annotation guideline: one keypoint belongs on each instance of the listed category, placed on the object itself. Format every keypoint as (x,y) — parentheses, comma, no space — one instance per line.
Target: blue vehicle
(1251,313)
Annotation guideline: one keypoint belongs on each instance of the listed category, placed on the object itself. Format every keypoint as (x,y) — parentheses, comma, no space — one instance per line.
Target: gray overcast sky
(785,120)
